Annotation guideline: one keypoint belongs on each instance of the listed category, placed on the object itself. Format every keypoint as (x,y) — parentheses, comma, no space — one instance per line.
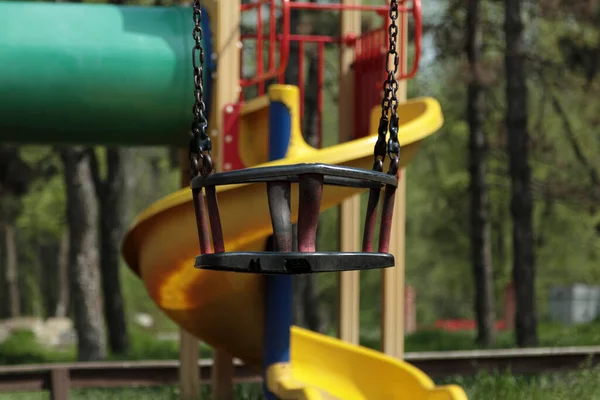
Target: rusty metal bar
(281,215)
(370,219)
(387,213)
(201,221)
(311,191)
(215,219)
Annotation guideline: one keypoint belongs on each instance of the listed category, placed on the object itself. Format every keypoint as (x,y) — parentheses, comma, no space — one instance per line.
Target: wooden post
(392,329)
(227,18)
(349,282)
(189,374)
(60,384)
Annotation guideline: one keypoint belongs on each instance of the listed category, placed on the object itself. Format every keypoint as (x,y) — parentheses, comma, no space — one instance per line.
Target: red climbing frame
(271,40)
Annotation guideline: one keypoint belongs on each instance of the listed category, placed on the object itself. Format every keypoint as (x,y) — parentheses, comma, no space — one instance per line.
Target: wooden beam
(189,374)
(392,324)
(189,377)
(226,17)
(59,384)
(226,27)
(392,329)
(349,282)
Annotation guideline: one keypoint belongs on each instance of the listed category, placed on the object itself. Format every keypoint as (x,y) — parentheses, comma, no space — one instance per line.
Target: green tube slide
(97,74)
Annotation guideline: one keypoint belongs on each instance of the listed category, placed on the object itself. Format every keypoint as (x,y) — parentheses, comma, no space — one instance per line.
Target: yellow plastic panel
(326,368)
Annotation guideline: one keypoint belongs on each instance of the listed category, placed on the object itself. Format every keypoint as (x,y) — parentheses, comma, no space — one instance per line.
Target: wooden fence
(59,379)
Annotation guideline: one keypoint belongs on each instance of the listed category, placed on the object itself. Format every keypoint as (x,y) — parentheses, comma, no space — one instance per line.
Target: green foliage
(43,214)
(23,348)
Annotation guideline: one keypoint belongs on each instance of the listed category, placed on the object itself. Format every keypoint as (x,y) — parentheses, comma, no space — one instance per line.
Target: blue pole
(278,307)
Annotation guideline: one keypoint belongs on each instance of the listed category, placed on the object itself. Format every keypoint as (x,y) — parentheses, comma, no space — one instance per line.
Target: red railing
(273,69)
(370,51)
(370,60)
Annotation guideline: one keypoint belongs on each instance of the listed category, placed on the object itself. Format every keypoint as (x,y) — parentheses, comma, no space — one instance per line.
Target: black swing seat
(285,260)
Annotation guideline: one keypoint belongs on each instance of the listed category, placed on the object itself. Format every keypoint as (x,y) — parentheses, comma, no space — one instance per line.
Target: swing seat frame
(284,260)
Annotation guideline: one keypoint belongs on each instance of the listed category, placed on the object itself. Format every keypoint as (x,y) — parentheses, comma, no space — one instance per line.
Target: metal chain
(200,144)
(389,102)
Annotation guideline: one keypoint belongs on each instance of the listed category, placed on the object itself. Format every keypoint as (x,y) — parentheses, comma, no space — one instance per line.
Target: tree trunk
(113,206)
(11,271)
(520,175)
(84,274)
(62,303)
(3,294)
(48,282)
(481,248)
(53,260)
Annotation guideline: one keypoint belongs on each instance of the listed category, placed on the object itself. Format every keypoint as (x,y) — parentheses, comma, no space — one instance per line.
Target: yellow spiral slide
(226,310)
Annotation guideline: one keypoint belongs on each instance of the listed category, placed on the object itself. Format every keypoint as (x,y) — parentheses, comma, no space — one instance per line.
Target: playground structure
(93,52)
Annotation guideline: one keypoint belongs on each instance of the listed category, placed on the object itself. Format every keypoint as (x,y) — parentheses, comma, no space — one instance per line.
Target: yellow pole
(349,224)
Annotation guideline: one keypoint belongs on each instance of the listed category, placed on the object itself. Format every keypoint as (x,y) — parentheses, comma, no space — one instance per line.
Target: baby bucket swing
(309,177)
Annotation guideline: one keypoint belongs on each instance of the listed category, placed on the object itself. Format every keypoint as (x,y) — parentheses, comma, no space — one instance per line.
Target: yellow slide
(226,310)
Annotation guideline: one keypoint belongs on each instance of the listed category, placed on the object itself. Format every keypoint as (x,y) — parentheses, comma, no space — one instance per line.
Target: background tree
(84,271)
(520,173)
(112,193)
(481,251)
(15,177)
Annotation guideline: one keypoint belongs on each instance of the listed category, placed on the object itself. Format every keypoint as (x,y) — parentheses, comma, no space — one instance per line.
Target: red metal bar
(259,51)
(311,192)
(202,222)
(418,17)
(296,38)
(387,213)
(301,77)
(272,36)
(342,7)
(321,83)
(215,219)
(283,48)
(258,3)
(370,219)
(315,38)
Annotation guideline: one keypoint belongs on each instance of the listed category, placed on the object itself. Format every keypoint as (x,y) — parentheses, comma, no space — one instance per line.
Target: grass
(583,384)
(170,392)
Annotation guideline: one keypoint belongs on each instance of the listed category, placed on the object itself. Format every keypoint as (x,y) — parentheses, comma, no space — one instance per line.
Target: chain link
(389,101)
(200,144)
